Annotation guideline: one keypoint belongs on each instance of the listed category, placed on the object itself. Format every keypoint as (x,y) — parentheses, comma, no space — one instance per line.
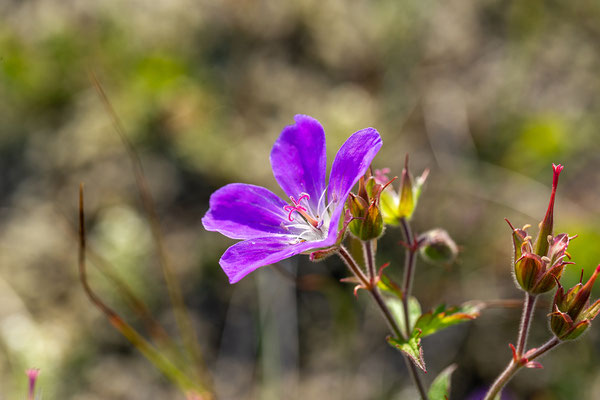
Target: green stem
(385,311)
(409,267)
(370,259)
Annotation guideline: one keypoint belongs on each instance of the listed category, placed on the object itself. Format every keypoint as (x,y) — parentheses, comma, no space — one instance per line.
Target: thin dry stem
(182,317)
(162,363)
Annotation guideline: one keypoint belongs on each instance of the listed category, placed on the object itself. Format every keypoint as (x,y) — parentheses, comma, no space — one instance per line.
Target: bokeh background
(486,94)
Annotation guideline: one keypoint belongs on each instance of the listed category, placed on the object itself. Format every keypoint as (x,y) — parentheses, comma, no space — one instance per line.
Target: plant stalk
(370,259)
(409,267)
(385,311)
(513,367)
(528,307)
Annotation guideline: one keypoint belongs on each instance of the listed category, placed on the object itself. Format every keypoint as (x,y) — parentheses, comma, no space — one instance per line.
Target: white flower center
(306,223)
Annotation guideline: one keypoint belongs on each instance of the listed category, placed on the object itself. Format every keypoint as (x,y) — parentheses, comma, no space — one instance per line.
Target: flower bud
(528,269)
(406,206)
(538,266)
(395,206)
(438,247)
(572,313)
(368,222)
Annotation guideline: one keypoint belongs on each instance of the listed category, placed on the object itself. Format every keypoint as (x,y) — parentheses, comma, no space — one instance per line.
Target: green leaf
(411,348)
(387,285)
(443,317)
(440,387)
(397,310)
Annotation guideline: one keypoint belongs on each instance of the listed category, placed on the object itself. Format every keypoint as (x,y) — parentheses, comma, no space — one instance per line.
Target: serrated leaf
(443,317)
(411,348)
(440,387)
(397,310)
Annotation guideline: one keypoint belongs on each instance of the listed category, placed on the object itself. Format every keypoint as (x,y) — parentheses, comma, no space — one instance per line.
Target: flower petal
(351,162)
(242,211)
(299,160)
(244,257)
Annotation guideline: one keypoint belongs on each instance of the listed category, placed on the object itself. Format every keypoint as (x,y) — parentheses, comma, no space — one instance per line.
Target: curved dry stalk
(182,318)
(153,355)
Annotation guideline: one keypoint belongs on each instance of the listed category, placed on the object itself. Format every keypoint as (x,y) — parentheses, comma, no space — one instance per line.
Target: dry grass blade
(182,317)
(163,364)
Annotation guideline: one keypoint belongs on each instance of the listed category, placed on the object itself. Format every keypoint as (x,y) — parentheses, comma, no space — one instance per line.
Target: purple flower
(273,229)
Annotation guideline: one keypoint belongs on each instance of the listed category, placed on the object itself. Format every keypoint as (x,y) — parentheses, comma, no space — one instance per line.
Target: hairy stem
(528,307)
(409,267)
(385,311)
(353,266)
(370,259)
(513,367)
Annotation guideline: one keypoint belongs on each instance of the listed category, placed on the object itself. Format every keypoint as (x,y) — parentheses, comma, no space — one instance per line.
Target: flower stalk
(518,359)
(528,307)
(514,365)
(409,266)
(369,283)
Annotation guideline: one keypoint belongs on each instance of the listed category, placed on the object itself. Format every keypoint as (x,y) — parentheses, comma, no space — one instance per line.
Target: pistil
(300,210)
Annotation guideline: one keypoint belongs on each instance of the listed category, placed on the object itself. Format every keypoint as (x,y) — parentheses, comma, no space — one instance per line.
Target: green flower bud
(368,222)
(528,269)
(438,247)
(395,206)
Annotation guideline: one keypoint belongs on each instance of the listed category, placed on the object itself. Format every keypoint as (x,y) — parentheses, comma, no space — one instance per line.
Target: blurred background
(486,94)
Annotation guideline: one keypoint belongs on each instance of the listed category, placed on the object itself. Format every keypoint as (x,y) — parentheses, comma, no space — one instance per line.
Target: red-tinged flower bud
(572,314)
(548,279)
(528,270)
(368,222)
(437,247)
(576,331)
(560,323)
(581,299)
(537,274)
(546,226)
